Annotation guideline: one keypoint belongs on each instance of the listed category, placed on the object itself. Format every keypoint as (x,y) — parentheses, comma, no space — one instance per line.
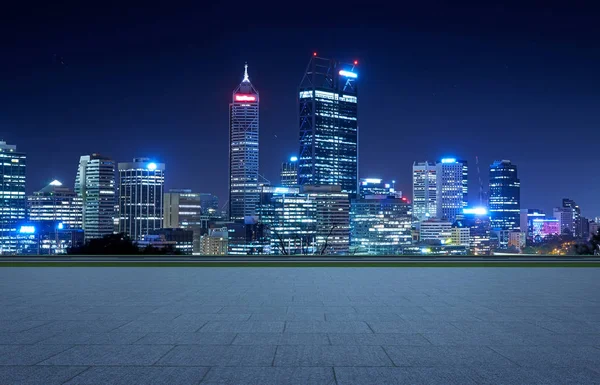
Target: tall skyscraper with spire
(328,106)
(244,194)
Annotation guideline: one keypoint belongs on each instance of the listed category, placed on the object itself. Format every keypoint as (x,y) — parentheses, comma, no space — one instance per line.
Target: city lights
(245,98)
(348,74)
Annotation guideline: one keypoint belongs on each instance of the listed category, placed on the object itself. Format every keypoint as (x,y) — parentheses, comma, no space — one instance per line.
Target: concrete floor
(299,326)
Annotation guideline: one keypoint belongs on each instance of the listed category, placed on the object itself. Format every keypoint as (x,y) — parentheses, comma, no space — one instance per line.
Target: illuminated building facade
(289,172)
(505,196)
(47,237)
(526,223)
(209,204)
(290,220)
(452,188)
(332,217)
(215,242)
(182,209)
(141,189)
(244,192)
(477,220)
(435,230)
(374,187)
(424,198)
(542,228)
(95,184)
(570,205)
(328,125)
(13,203)
(57,203)
(379,226)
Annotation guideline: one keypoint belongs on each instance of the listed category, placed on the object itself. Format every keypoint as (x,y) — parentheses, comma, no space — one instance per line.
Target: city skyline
(456,98)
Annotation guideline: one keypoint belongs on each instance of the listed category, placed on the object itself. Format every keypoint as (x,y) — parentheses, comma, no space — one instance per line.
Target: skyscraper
(141,188)
(244,192)
(95,184)
(576,211)
(452,188)
(505,196)
(13,204)
(57,203)
(376,188)
(289,172)
(424,191)
(328,125)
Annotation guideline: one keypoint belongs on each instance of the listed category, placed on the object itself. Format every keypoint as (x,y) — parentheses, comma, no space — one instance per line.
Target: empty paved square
(128,325)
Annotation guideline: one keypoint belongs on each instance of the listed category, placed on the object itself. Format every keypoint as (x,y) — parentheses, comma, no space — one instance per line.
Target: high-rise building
(141,189)
(435,230)
(332,217)
(375,187)
(57,203)
(328,125)
(290,220)
(289,172)
(13,203)
(244,192)
(505,196)
(209,204)
(182,209)
(424,198)
(576,211)
(95,184)
(379,226)
(452,188)
(215,242)
(566,218)
(477,220)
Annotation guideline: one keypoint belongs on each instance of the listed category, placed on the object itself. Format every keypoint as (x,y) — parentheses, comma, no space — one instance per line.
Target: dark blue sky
(497,82)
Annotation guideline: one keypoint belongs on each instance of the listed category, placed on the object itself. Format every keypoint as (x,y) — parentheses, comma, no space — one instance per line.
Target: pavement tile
(78,338)
(402,376)
(22,338)
(363,317)
(205,317)
(183,338)
(214,355)
(269,376)
(377,339)
(31,354)
(140,376)
(141,326)
(281,339)
(445,356)
(38,375)
(327,327)
(108,355)
(327,355)
(320,309)
(546,356)
(243,327)
(288,317)
(12,326)
(253,309)
(97,326)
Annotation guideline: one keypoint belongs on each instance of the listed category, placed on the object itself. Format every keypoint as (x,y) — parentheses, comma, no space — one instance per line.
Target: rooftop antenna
(246,79)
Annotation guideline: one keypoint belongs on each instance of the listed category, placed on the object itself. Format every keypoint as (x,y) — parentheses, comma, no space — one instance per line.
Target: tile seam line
(76,375)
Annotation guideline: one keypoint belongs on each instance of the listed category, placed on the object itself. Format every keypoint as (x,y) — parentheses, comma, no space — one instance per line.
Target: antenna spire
(246,79)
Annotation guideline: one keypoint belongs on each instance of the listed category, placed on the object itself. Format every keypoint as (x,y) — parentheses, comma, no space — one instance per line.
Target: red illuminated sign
(245,98)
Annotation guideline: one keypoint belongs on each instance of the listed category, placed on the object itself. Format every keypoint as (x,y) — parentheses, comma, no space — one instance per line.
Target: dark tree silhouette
(118,244)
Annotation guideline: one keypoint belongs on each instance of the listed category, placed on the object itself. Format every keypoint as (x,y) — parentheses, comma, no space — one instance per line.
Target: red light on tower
(314,54)
(245,98)
(356,62)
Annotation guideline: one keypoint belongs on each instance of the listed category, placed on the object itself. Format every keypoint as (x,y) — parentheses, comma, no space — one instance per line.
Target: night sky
(497,82)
